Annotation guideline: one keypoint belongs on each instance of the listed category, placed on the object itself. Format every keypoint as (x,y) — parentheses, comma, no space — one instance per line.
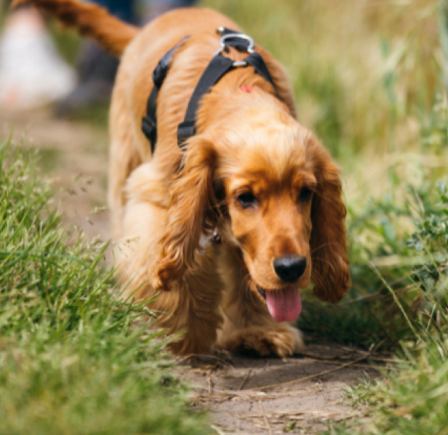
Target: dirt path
(74,154)
(236,389)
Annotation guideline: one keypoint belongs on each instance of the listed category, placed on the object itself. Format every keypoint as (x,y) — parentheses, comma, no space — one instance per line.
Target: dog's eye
(247,199)
(305,194)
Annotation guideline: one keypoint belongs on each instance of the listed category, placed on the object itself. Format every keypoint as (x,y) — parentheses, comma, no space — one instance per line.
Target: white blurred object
(32,73)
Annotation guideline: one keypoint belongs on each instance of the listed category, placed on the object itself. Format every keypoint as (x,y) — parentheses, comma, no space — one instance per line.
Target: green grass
(413,400)
(73,358)
(413,397)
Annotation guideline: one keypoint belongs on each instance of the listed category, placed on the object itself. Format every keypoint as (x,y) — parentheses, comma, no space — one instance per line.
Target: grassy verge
(413,397)
(71,361)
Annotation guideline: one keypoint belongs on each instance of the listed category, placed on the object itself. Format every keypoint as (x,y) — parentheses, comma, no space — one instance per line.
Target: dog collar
(216,69)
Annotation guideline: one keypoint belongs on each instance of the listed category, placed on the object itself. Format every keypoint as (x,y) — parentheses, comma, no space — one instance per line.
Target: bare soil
(237,390)
(300,394)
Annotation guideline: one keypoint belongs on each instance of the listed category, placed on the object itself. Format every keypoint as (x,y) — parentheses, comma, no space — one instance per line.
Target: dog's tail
(91,21)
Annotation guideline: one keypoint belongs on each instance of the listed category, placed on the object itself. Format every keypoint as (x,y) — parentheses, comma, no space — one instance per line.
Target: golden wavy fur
(252,174)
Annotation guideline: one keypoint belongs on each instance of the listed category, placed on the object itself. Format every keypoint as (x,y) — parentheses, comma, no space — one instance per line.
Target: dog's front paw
(280,340)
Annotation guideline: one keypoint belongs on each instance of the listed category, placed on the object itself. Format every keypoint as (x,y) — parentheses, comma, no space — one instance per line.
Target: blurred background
(369,78)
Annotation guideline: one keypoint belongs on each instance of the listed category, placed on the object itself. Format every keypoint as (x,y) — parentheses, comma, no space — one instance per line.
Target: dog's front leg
(248,326)
(191,304)
(197,312)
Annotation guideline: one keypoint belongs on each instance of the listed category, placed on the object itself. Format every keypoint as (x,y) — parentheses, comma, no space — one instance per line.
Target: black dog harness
(216,69)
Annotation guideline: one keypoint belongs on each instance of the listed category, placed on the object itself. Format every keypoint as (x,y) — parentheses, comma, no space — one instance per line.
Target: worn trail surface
(239,390)
(74,154)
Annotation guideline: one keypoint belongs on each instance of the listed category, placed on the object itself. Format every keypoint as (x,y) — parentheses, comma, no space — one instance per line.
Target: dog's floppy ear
(330,272)
(190,211)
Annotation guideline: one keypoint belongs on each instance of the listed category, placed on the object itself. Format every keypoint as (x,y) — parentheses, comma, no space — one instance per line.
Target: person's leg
(96,68)
(154,8)
(123,9)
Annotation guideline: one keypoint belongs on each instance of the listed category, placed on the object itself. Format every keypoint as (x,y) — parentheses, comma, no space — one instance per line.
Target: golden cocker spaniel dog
(222,235)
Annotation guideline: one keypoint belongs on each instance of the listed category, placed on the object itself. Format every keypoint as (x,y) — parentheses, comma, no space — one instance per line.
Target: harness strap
(216,69)
(149,121)
(258,63)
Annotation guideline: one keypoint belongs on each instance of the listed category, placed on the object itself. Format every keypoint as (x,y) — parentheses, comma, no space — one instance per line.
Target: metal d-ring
(243,36)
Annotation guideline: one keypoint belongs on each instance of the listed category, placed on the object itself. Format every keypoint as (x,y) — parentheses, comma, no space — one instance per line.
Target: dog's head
(272,191)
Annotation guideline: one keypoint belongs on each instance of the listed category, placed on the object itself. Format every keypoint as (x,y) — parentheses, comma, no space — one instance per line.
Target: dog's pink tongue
(284,305)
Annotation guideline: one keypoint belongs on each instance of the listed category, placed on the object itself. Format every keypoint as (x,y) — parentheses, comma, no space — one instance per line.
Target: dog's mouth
(284,305)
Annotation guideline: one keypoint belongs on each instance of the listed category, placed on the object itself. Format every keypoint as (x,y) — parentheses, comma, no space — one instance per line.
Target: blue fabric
(172,3)
(122,9)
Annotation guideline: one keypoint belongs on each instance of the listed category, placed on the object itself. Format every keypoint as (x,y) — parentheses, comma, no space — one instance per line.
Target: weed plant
(413,397)
(72,360)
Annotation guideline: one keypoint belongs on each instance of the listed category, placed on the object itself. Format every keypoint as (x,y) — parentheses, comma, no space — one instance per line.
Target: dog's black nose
(290,267)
